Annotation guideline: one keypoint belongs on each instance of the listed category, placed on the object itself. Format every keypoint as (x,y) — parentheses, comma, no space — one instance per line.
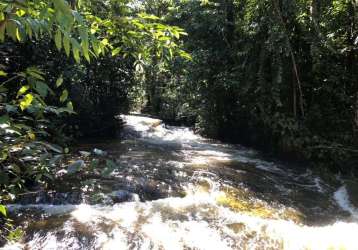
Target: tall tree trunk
(298,84)
(315,17)
(230,22)
(229,30)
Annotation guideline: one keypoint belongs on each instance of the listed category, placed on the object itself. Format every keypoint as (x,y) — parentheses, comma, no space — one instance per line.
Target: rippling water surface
(173,189)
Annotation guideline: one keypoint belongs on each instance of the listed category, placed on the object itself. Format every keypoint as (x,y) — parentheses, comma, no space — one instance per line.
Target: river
(172,189)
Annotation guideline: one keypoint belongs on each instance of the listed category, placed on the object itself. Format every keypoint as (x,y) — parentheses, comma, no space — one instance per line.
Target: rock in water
(75,167)
(123,196)
(99,152)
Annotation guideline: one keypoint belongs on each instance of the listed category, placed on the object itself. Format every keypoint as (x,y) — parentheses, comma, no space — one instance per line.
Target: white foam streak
(195,222)
(155,130)
(342,198)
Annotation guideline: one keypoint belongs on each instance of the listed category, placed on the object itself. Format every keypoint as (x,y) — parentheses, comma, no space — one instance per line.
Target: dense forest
(276,75)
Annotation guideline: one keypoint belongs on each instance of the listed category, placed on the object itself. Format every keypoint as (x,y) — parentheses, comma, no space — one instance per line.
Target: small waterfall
(194,193)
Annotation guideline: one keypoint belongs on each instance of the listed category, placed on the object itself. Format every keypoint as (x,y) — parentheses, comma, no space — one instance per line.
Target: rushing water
(173,189)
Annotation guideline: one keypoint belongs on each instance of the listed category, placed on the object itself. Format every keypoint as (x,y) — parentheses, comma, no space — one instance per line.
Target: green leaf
(59,81)
(3,73)
(66,44)
(35,73)
(26,101)
(4,119)
(85,51)
(96,47)
(148,16)
(116,51)
(42,88)
(11,30)
(23,90)
(105,42)
(64,96)
(76,50)
(58,39)
(164,38)
(28,29)
(18,35)
(83,33)
(69,105)
(185,55)
(3,210)
(65,110)
(62,6)
(15,235)
(2,32)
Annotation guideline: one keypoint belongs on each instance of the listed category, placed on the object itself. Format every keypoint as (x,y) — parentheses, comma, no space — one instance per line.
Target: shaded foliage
(280,75)
(67,69)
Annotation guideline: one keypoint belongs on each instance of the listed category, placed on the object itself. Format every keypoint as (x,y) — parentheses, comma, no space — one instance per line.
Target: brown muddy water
(168,188)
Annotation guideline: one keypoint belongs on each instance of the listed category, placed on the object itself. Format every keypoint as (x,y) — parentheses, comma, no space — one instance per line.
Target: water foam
(341,196)
(195,222)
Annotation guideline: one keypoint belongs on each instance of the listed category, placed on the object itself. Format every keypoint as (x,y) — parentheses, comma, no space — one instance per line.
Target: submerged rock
(99,152)
(241,201)
(154,190)
(75,167)
(53,197)
(123,196)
